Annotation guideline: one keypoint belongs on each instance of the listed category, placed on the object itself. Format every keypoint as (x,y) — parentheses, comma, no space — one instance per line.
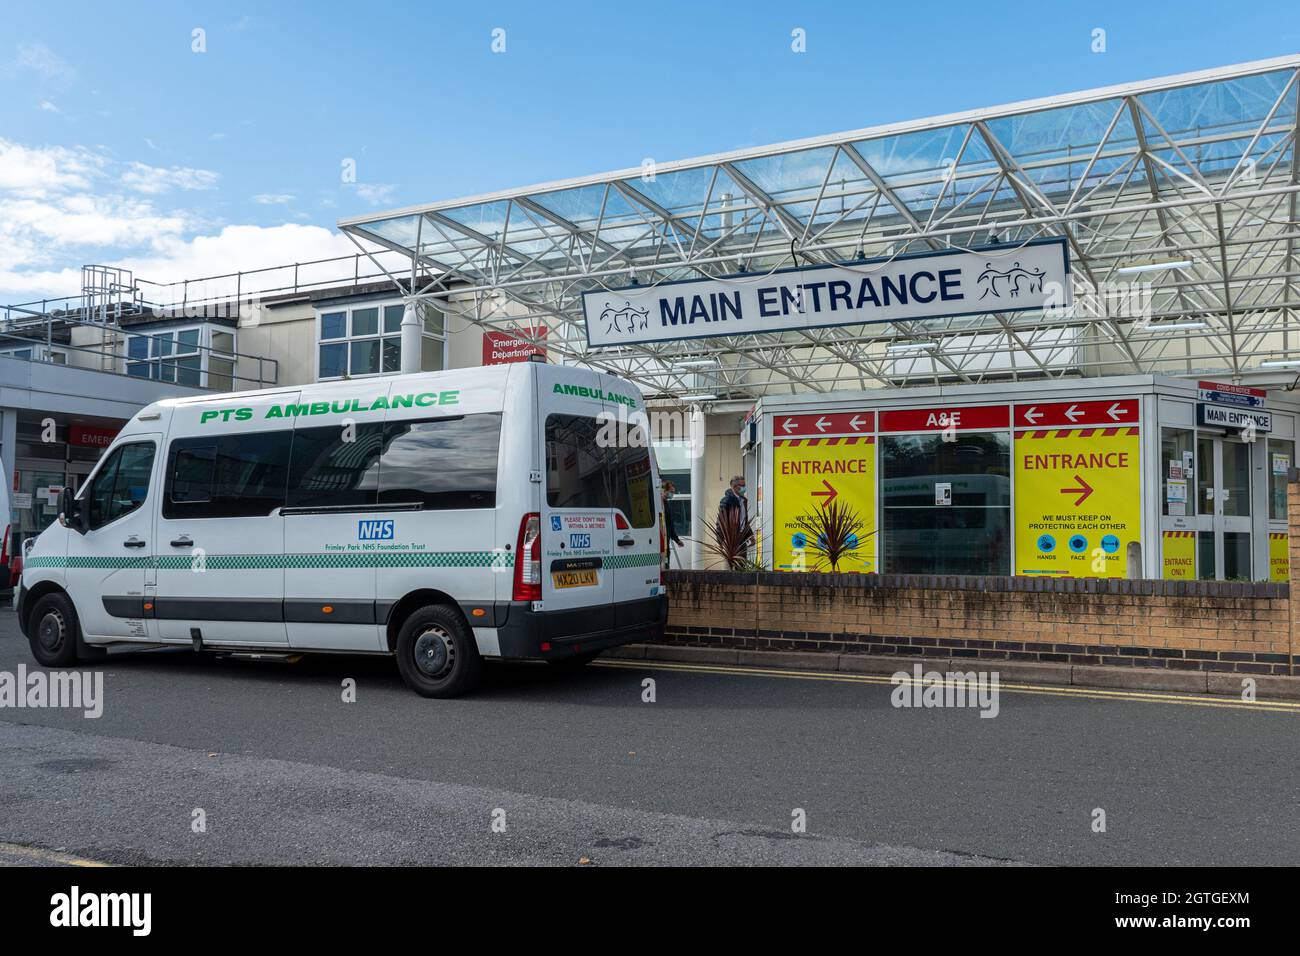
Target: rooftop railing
(44,324)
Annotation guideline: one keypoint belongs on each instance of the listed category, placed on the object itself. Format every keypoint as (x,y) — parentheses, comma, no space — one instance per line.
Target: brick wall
(1190,625)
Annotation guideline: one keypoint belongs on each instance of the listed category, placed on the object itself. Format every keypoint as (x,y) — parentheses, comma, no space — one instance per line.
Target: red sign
(831,423)
(962,418)
(1234,389)
(502,348)
(1123,411)
(91,436)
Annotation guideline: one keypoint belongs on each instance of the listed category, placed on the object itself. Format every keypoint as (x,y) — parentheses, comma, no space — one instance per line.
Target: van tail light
(528,559)
(620,522)
(4,548)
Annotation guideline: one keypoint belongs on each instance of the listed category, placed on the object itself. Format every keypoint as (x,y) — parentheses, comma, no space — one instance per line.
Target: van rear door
(577,525)
(636,561)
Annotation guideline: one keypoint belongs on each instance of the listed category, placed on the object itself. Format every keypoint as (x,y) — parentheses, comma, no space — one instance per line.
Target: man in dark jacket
(734,500)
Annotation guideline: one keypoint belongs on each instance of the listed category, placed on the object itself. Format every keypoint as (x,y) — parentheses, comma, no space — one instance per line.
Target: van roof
(450,376)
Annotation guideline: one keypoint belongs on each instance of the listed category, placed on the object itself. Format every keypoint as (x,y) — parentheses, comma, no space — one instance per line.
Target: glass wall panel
(970,536)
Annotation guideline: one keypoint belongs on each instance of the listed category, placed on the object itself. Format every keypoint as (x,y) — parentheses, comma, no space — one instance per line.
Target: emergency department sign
(1004,278)
(810,472)
(1078,491)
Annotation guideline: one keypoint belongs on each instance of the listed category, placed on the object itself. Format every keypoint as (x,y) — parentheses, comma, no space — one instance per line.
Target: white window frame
(379,335)
(204,349)
(39,353)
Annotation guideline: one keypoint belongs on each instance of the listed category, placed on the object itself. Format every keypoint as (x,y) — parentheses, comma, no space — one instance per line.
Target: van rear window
(580,473)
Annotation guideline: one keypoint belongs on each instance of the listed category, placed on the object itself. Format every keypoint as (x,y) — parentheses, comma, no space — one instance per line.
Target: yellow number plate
(575,579)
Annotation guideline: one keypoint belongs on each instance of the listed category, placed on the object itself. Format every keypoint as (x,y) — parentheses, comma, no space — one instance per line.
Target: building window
(200,357)
(972,535)
(38,353)
(367,340)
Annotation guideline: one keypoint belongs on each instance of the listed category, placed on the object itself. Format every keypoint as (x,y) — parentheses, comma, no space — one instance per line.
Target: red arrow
(1083,491)
(830,492)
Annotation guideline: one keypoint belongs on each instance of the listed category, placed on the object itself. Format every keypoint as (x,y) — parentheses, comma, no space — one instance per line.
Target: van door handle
(184,541)
(626,542)
(134,542)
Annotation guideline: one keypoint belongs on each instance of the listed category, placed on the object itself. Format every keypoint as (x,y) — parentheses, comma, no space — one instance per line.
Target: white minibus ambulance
(502,512)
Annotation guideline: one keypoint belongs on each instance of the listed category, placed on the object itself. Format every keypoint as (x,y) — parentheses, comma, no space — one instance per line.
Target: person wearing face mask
(734,505)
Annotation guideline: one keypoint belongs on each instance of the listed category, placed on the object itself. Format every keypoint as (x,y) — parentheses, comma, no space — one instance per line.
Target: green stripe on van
(631,561)
(327,560)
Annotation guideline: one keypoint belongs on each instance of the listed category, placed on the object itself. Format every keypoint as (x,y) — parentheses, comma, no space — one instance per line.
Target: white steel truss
(1178,193)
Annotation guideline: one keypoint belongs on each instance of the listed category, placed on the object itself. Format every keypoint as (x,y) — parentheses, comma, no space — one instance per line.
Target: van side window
(121,485)
(334,468)
(441,463)
(231,476)
(582,474)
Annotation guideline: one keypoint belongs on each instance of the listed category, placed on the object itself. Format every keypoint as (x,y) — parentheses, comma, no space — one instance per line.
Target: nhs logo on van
(375,530)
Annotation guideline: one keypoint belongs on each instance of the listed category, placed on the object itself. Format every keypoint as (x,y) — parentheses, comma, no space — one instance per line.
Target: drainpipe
(412,337)
(699,507)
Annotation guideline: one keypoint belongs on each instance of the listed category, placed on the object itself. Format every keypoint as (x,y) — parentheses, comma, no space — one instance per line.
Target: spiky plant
(728,540)
(833,533)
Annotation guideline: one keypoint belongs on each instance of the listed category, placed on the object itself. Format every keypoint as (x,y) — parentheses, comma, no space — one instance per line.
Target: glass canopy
(1177,198)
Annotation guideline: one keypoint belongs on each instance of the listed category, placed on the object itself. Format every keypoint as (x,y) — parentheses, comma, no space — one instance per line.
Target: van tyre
(436,653)
(54,630)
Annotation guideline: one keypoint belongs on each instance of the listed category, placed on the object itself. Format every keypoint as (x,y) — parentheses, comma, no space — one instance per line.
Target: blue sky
(120,144)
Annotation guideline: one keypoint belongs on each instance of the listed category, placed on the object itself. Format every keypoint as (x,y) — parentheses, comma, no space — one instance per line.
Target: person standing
(667,489)
(734,506)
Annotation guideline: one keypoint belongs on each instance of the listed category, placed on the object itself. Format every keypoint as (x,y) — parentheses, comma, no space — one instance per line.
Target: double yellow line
(1050,690)
(45,856)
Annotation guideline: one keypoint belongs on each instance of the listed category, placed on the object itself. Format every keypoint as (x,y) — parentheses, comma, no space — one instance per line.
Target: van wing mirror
(70,511)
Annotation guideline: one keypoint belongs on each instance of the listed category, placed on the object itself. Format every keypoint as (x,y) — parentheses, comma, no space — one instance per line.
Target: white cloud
(61,207)
(39,171)
(376,193)
(152,180)
(273,199)
(49,107)
(38,58)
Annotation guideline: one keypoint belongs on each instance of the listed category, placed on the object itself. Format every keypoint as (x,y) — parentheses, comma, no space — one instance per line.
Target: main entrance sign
(905,288)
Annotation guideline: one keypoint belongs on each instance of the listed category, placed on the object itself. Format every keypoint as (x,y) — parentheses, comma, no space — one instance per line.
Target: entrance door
(1223,495)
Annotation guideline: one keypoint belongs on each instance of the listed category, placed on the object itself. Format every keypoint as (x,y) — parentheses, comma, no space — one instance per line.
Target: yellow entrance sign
(1078,494)
(1279,557)
(1178,560)
(810,472)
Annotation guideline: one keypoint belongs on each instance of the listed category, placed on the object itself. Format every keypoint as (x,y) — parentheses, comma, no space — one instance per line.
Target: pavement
(577,768)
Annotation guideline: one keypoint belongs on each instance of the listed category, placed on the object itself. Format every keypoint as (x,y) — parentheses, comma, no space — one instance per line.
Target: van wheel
(436,653)
(54,631)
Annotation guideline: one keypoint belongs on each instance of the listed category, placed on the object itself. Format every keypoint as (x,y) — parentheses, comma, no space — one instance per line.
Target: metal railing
(40,322)
(39,334)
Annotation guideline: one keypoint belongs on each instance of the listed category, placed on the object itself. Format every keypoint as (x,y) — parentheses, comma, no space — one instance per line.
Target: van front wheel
(436,653)
(54,631)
